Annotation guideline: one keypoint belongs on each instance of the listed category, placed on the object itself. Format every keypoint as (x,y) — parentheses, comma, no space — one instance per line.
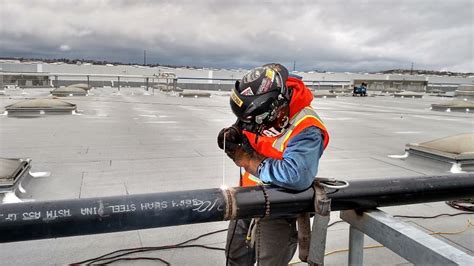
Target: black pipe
(51,219)
(367,194)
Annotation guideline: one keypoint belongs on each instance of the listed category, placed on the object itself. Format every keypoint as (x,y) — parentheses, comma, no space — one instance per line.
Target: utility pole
(411,70)
(144,57)
(294,65)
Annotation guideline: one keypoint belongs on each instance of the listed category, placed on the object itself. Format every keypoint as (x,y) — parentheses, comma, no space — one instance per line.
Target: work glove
(233,138)
(238,148)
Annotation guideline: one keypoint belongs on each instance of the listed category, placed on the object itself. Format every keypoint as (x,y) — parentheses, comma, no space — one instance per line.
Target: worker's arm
(300,162)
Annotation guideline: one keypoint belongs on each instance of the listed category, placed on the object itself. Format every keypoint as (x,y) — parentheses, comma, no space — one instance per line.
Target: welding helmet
(260,100)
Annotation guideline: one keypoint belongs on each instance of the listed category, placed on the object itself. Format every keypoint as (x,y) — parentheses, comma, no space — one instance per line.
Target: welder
(277,139)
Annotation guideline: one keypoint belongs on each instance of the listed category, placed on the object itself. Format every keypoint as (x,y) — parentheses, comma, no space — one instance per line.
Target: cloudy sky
(322,35)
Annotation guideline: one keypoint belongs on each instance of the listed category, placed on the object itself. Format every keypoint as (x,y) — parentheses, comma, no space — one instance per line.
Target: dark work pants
(275,242)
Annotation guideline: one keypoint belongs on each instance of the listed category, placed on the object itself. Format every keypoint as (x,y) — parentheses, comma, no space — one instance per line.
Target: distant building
(24,79)
(405,84)
(41,74)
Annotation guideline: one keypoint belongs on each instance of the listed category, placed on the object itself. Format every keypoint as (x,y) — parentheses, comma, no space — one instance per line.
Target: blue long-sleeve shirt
(300,161)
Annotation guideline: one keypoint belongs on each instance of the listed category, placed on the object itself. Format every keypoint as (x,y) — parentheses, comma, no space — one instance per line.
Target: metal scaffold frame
(407,241)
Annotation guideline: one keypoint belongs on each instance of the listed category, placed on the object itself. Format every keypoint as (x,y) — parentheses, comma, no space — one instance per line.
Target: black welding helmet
(257,97)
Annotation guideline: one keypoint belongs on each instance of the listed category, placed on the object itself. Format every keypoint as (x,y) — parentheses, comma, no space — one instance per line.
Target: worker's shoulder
(309,131)
(308,137)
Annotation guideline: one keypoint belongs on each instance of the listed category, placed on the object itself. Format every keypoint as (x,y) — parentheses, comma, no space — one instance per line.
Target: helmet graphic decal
(248,91)
(267,81)
(252,75)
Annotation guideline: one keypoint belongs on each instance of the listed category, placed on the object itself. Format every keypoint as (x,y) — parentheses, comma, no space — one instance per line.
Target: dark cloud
(324,35)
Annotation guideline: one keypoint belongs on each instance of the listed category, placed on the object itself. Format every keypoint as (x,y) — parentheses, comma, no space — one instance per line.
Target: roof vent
(458,150)
(195,94)
(167,88)
(12,173)
(408,94)
(435,91)
(69,91)
(36,107)
(391,90)
(465,91)
(454,106)
(340,90)
(81,86)
(323,94)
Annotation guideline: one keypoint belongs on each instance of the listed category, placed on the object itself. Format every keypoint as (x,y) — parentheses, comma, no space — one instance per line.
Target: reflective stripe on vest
(249,180)
(306,113)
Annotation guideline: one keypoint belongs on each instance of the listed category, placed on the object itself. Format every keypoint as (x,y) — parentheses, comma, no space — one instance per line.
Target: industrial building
(58,74)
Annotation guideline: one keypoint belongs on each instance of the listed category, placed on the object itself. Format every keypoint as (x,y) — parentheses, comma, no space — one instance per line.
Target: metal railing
(52,219)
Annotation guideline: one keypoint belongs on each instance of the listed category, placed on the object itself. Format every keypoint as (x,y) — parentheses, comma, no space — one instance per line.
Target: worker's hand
(233,138)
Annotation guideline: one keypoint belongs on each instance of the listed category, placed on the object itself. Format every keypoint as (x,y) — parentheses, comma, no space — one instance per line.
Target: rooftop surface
(132,143)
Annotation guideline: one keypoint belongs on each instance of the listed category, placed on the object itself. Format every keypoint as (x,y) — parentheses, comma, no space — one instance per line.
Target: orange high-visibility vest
(274,147)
